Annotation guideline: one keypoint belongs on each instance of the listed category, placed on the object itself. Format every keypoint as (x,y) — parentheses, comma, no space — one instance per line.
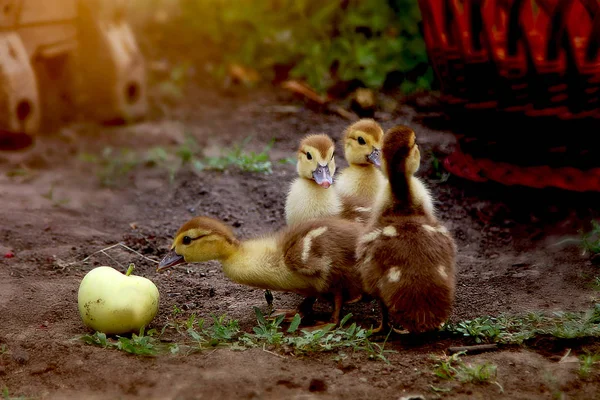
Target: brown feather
(407,258)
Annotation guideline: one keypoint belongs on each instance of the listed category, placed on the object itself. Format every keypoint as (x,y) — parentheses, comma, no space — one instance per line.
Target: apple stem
(130,269)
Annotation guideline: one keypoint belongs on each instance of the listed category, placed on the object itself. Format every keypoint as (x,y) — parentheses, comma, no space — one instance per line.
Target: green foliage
(477,373)
(590,241)
(115,164)
(453,367)
(237,157)
(438,172)
(6,395)
(323,41)
(516,329)
(225,332)
(141,345)
(480,329)
(269,330)
(587,364)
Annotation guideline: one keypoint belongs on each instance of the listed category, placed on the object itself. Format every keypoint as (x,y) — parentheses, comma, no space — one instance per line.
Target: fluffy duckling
(311,194)
(313,259)
(362,148)
(407,258)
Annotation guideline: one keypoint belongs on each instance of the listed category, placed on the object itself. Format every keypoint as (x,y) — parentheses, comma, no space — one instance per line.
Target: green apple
(113,303)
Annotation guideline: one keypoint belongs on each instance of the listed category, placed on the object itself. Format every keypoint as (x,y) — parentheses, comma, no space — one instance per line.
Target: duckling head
(316,159)
(198,240)
(362,142)
(401,155)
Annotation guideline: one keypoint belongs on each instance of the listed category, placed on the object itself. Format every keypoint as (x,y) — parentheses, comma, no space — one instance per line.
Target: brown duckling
(313,259)
(312,194)
(407,258)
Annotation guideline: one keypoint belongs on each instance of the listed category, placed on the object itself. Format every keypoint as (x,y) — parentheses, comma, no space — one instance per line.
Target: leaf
(345,319)
(260,317)
(295,323)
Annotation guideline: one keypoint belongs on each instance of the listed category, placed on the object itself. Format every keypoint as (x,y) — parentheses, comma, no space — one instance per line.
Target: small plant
(268,330)
(114,164)
(587,364)
(477,373)
(479,329)
(516,329)
(453,367)
(6,395)
(55,201)
(439,173)
(3,349)
(239,158)
(446,366)
(590,241)
(142,345)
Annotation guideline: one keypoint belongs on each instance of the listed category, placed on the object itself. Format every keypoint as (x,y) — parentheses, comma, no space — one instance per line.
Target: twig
(139,254)
(270,352)
(93,254)
(103,251)
(478,348)
(565,356)
(107,255)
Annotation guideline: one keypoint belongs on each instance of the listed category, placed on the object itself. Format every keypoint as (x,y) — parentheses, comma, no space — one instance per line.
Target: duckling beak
(322,176)
(375,157)
(170,260)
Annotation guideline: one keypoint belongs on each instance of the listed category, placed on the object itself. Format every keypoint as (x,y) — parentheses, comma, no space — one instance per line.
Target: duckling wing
(322,248)
(355,208)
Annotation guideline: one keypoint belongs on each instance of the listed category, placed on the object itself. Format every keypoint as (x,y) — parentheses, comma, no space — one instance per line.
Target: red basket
(534,57)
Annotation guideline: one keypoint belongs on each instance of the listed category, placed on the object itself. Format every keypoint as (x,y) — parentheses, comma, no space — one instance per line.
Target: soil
(55,213)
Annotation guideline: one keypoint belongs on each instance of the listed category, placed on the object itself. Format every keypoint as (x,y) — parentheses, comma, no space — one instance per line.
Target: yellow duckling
(362,148)
(312,194)
(313,259)
(407,258)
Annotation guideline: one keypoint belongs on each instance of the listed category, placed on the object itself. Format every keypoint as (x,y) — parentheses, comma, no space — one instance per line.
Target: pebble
(20,356)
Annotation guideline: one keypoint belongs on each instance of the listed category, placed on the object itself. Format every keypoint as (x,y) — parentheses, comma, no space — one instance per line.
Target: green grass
(588,363)
(194,334)
(517,329)
(56,202)
(590,241)
(113,166)
(6,395)
(438,171)
(239,158)
(454,368)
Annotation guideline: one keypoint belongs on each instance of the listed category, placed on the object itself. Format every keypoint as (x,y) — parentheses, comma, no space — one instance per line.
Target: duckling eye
(308,156)
(361,141)
(186,240)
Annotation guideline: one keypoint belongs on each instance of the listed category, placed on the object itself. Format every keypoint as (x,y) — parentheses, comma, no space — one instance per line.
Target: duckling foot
(401,331)
(318,325)
(355,300)
(289,314)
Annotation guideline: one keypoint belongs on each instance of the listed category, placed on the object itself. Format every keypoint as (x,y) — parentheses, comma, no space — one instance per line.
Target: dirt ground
(55,213)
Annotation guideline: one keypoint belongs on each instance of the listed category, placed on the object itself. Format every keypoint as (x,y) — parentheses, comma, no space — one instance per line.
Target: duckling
(406,258)
(362,148)
(313,259)
(312,194)
(309,196)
